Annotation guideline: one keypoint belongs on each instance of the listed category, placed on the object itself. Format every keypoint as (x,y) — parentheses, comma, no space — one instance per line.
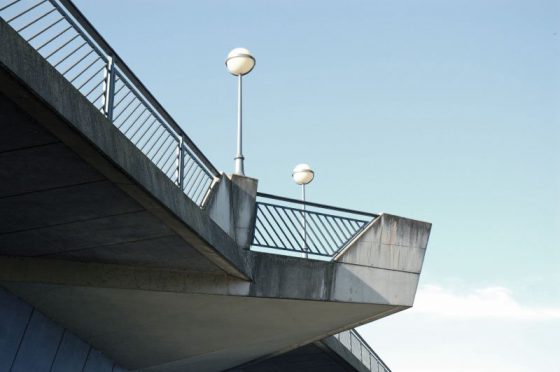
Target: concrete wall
(29,341)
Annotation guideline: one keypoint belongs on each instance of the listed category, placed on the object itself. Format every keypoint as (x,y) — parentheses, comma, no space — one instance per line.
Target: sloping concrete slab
(166,331)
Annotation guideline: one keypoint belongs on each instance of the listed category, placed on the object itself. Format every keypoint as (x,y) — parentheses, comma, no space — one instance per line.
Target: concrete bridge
(120,254)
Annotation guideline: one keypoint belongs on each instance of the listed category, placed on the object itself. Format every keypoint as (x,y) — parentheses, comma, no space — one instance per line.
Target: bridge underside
(58,206)
(54,204)
(60,215)
(181,331)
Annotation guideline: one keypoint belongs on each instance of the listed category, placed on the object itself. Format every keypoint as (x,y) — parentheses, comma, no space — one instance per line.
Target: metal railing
(65,38)
(354,342)
(320,230)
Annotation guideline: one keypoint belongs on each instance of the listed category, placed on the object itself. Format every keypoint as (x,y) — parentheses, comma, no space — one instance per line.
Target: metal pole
(109,88)
(239,158)
(180,161)
(304,221)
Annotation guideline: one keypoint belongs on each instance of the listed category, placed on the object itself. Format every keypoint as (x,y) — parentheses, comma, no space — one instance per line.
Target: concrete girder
(164,320)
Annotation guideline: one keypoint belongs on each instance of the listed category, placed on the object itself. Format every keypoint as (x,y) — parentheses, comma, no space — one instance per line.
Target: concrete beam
(274,277)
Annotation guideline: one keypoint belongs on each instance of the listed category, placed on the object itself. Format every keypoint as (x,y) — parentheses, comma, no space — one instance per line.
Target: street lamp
(303,175)
(239,62)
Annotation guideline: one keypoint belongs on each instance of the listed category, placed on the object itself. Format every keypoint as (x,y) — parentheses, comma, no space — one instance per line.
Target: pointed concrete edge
(389,242)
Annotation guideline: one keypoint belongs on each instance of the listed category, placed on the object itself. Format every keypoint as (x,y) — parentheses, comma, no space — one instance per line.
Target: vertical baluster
(109,89)
(361,353)
(180,165)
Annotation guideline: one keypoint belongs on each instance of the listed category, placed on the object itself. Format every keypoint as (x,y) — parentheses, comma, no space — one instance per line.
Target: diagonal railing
(319,230)
(58,31)
(354,342)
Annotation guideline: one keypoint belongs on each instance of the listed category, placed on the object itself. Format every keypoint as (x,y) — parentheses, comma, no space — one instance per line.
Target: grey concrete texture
(55,204)
(29,341)
(232,206)
(170,331)
(389,242)
(140,315)
(244,197)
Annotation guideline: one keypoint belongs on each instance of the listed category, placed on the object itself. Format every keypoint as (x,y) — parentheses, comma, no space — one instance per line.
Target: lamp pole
(303,175)
(240,62)
(239,157)
(304,221)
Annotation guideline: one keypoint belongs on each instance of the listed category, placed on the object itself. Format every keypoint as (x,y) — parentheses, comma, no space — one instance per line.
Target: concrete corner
(232,207)
(389,242)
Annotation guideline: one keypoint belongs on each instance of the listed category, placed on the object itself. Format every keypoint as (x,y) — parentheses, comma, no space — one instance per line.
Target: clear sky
(444,111)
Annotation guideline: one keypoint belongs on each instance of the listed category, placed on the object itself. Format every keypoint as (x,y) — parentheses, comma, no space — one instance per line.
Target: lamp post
(239,62)
(303,175)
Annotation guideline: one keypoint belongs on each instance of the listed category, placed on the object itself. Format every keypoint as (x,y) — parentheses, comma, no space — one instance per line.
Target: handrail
(313,230)
(68,41)
(319,205)
(86,24)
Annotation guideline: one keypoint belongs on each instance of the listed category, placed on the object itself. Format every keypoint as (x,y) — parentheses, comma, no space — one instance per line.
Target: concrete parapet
(232,206)
(389,242)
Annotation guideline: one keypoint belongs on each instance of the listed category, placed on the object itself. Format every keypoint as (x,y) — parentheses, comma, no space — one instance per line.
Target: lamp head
(240,62)
(303,174)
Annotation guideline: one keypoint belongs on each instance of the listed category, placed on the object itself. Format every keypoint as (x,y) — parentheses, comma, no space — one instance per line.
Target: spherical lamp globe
(303,174)
(240,61)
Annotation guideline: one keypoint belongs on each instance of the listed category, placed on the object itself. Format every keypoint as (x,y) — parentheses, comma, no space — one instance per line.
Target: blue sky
(444,111)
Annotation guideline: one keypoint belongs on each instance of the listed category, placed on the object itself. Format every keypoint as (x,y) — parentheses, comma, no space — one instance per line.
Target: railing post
(361,353)
(109,88)
(180,165)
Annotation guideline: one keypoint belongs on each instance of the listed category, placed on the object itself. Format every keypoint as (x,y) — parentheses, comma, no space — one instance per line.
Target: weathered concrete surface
(173,320)
(232,206)
(31,341)
(389,242)
(173,331)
